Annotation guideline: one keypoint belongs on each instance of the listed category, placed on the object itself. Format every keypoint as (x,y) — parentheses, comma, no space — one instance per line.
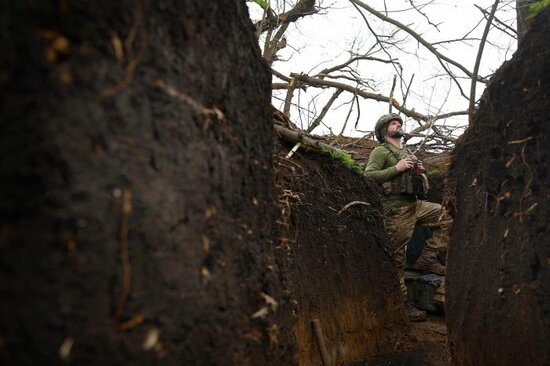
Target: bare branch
(424,15)
(289,95)
(315,82)
(280,75)
(277,86)
(325,72)
(408,89)
(301,9)
(463,40)
(391,92)
(348,115)
(416,36)
(358,111)
(478,58)
(306,140)
(268,12)
(378,41)
(506,26)
(275,44)
(324,111)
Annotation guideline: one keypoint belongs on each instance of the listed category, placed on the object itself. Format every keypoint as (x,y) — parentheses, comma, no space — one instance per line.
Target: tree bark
(298,136)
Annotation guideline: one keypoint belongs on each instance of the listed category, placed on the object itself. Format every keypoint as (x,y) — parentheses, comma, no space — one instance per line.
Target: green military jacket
(381,168)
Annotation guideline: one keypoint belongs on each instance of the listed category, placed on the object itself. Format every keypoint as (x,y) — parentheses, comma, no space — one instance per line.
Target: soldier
(403,181)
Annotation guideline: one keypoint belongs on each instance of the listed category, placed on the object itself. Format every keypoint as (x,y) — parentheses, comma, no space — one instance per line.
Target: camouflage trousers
(400,222)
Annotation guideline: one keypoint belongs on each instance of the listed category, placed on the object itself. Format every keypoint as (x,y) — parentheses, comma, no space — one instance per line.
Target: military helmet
(382,124)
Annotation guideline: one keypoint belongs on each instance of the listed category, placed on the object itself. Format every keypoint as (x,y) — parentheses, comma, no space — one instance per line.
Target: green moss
(537,7)
(433,173)
(345,159)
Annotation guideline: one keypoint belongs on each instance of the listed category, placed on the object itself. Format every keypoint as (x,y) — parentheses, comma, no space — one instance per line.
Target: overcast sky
(325,39)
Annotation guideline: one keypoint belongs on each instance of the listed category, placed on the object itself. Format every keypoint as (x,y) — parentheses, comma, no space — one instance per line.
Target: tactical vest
(408,182)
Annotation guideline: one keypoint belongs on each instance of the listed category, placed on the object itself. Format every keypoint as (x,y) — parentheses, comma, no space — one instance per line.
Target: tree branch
(506,26)
(299,136)
(378,97)
(324,111)
(315,82)
(416,36)
(301,9)
(478,58)
(325,72)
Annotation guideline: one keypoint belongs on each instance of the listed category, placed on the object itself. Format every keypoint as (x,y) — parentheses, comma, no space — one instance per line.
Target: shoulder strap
(394,153)
(391,151)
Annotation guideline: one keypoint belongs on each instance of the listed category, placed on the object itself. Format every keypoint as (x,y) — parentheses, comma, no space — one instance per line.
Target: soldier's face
(394,129)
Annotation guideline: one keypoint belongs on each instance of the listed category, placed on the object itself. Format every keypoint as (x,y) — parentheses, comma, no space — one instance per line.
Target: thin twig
(324,111)
(348,115)
(416,36)
(499,21)
(378,41)
(391,92)
(408,89)
(478,59)
(288,98)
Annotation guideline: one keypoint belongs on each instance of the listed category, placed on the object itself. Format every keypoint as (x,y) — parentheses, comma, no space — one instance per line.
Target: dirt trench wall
(337,270)
(136,196)
(498,272)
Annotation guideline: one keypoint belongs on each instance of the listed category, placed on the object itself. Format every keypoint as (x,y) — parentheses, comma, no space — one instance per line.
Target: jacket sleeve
(376,167)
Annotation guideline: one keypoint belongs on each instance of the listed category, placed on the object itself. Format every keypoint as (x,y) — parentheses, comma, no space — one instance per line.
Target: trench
(146,218)
(340,274)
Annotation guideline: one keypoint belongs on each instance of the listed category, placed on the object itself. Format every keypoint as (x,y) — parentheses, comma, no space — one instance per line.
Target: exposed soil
(338,270)
(498,274)
(144,219)
(134,139)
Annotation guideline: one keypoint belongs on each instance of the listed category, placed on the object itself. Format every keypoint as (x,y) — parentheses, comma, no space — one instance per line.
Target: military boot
(413,313)
(428,263)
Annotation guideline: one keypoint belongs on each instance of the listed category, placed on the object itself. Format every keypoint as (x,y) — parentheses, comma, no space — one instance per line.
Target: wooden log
(307,141)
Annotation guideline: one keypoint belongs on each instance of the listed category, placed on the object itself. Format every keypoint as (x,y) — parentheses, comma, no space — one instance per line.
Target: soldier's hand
(404,164)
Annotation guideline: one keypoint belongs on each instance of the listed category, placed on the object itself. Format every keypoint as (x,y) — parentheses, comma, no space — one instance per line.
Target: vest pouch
(391,187)
(411,184)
